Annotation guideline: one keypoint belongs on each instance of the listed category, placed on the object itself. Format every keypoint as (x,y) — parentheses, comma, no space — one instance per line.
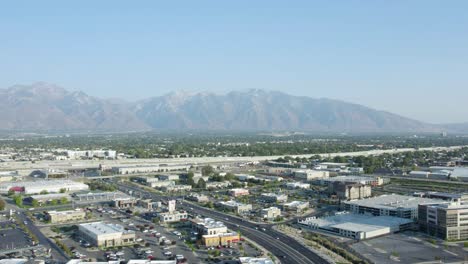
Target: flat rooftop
(350,178)
(101,228)
(393,201)
(357,222)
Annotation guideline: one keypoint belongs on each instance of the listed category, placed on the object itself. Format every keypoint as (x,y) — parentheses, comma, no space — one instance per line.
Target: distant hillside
(48,107)
(44,106)
(261,110)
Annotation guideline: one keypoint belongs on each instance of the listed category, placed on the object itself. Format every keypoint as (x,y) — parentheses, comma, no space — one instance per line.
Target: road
(57,253)
(285,248)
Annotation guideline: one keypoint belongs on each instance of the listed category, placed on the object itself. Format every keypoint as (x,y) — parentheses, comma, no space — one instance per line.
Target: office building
(448,220)
(349,191)
(270,213)
(296,206)
(56,217)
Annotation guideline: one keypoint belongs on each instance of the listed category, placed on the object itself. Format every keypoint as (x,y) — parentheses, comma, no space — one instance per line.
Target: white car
(167,253)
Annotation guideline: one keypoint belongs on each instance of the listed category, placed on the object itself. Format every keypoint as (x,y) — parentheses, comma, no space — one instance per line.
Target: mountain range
(48,107)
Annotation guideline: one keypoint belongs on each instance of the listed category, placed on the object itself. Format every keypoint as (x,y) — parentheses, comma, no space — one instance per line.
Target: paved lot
(13,238)
(150,243)
(409,247)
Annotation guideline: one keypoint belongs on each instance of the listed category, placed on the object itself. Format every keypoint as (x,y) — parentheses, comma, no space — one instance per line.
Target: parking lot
(410,247)
(148,235)
(12,237)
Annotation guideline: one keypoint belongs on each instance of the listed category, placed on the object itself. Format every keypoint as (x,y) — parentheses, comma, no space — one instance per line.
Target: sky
(406,57)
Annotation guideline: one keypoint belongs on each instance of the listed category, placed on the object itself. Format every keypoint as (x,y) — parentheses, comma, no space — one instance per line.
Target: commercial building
(102,234)
(47,198)
(161,184)
(372,181)
(200,198)
(350,191)
(149,168)
(88,154)
(358,226)
(50,186)
(274,198)
(172,217)
(208,226)
(297,185)
(440,175)
(176,188)
(447,220)
(456,173)
(56,217)
(450,197)
(168,177)
(124,202)
(309,175)
(236,207)
(148,204)
(223,239)
(217,185)
(6,176)
(252,260)
(270,213)
(238,192)
(100,196)
(146,180)
(391,205)
(296,206)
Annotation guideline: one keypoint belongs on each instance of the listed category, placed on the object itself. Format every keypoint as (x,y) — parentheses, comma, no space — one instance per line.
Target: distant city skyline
(405,57)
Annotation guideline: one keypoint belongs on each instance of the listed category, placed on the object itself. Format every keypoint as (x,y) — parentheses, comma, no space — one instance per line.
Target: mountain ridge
(43,106)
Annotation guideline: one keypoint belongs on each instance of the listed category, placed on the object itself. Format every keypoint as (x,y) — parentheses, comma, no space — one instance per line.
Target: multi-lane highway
(84,164)
(285,248)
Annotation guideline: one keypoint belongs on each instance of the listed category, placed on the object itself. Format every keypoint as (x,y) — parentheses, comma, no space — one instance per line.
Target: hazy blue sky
(408,57)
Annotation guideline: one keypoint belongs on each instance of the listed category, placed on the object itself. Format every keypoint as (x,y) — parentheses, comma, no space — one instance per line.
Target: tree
(207,170)
(63,200)
(44,192)
(63,190)
(2,205)
(35,203)
(229,176)
(18,200)
(201,184)
(54,202)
